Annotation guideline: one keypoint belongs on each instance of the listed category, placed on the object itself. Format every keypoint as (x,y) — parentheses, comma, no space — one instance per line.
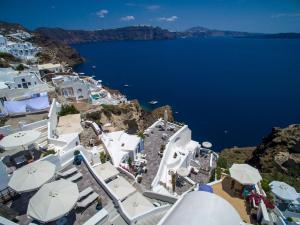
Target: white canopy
(53,201)
(106,170)
(245,174)
(284,191)
(19,139)
(199,207)
(136,204)
(32,176)
(121,188)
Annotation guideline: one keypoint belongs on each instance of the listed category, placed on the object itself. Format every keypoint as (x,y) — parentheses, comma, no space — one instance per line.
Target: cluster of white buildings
(22,92)
(76,87)
(20,48)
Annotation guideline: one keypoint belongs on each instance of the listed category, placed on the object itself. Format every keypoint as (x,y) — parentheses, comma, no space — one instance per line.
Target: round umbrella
(182,171)
(53,201)
(32,176)
(284,191)
(245,174)
(205,187)
(206,144)
(19,139)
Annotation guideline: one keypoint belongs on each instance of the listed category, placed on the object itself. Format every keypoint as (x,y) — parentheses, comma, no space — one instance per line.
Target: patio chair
(85,193)
(67,173)
(75,177)
(87,201)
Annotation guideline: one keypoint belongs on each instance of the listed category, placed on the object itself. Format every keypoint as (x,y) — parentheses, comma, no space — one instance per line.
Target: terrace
(224,190)
(76,216)
(155,139)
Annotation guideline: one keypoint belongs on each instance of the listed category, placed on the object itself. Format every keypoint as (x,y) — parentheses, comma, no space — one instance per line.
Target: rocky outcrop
(277,157)
(54,51)
(127,116)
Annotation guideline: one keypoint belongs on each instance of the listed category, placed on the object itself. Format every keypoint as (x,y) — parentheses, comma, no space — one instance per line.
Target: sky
(268,16)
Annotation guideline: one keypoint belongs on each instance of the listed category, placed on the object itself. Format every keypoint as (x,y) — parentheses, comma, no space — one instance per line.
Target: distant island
(139,33)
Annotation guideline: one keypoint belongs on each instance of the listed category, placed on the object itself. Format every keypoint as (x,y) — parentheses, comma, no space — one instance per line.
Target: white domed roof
(202,208)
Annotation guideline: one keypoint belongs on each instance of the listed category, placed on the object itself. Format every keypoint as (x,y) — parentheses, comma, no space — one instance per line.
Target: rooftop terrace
(76,216)
(152,144)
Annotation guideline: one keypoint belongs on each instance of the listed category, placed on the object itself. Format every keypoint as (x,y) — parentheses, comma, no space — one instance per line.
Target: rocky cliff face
(130,116)
(279,150)
(277,157)
(118,34)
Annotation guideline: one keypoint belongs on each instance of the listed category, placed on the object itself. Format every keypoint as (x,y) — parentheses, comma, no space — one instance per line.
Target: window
(29,83)
(23,79)
(34,82)
(19,85)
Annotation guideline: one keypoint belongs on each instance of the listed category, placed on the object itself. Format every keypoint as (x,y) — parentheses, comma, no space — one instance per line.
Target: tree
(20,67)
(222,162)
(141,134)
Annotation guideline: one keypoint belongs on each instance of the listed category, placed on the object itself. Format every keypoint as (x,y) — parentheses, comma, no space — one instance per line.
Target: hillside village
(75,152)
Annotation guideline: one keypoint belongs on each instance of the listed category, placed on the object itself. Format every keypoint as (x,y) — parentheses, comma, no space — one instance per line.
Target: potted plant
(175,155)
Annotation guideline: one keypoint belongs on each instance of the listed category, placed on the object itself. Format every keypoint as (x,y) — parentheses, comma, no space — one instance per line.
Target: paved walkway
(152,145)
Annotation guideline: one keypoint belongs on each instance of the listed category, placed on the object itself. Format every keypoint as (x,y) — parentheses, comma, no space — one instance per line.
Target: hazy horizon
(270,16)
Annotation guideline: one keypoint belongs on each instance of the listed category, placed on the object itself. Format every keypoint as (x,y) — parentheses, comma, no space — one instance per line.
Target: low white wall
(160,197)
(98,219)
(6,130)
(180,138)
(34,125)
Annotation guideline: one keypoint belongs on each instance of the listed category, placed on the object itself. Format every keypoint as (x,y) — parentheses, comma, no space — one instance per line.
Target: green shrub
(222,162)
(141,134)
(103,157)
(8,57)
(218,173)
(265,185)
(3,121)
(76,152)
(20,67)
(212,176)
(49,152)
(68,109)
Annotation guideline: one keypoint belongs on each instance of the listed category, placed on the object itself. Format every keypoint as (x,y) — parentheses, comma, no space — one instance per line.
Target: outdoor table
(20,160)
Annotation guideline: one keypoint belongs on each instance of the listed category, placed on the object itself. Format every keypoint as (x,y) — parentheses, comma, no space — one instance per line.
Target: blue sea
(229,91)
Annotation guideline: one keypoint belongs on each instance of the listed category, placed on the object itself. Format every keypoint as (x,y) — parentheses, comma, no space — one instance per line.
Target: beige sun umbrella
(53,201)
(19,139)
(32,176)
(245,174)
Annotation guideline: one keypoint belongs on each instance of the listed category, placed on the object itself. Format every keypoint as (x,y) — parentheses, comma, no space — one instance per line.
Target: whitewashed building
(50,68)
(71,86)
(20,79)
(120,146)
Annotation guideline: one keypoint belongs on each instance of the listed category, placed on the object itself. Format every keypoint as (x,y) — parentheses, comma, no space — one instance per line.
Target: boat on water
(153,102)
(126,85)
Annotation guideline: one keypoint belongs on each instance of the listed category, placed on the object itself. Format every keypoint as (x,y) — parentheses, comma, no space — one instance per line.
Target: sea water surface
(229,91)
